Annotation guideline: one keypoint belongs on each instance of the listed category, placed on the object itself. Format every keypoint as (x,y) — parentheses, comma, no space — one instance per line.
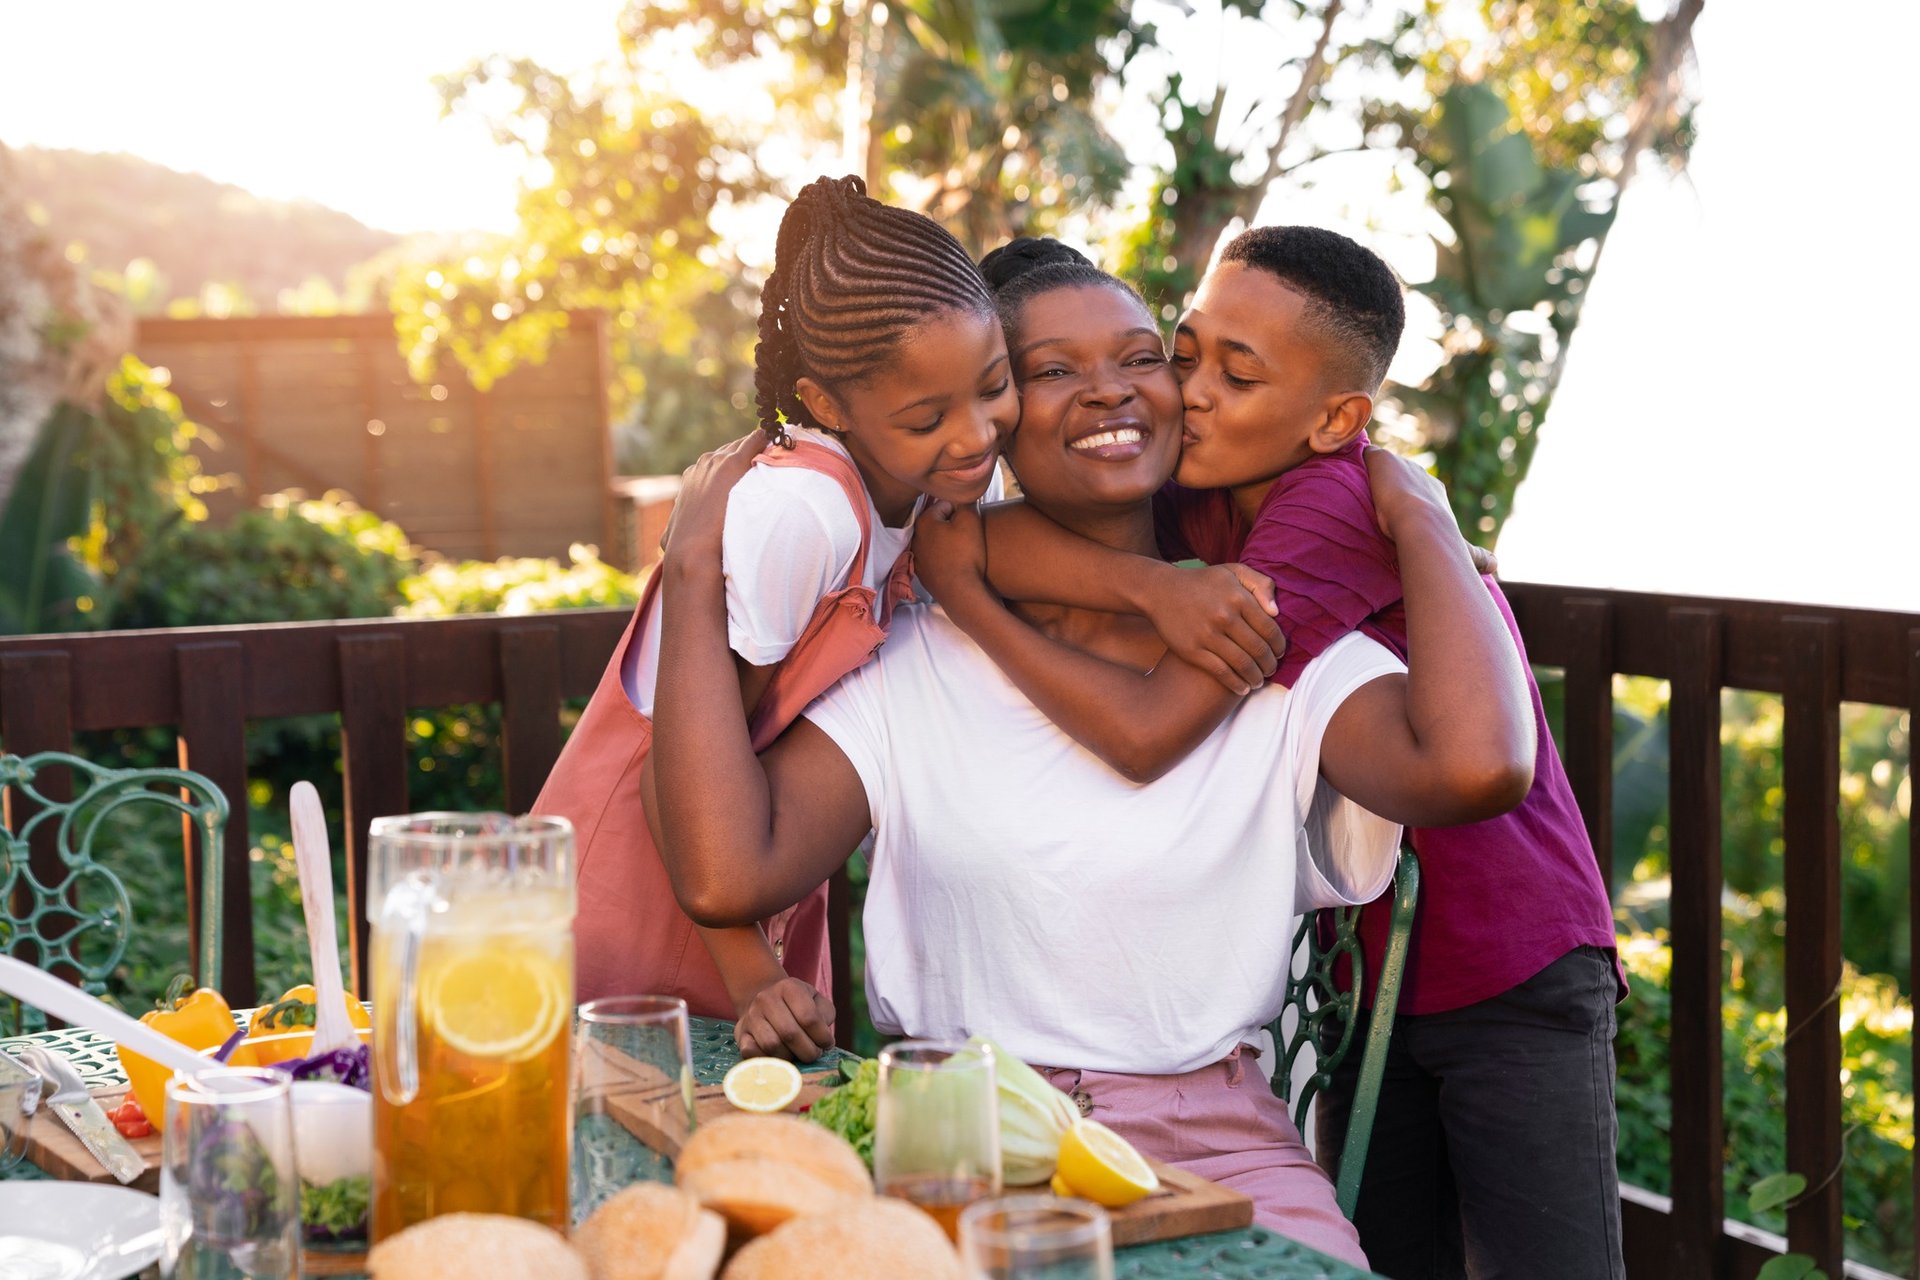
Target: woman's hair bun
(1016,258)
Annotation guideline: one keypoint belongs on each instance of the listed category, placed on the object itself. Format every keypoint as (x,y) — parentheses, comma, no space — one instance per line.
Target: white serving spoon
(332,1029)
(70,1004)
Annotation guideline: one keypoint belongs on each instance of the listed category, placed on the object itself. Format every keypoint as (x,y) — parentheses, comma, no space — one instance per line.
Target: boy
(1493,1150)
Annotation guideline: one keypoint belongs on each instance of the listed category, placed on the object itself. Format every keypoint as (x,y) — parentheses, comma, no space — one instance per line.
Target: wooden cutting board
(1185,1205)
(52,1146)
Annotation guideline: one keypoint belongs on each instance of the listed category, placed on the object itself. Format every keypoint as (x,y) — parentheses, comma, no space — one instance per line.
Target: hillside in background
(196,232)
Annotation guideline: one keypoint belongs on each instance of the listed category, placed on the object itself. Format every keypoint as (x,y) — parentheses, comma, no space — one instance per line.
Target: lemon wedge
(506,1004)
(1098,1164)
(762,1084)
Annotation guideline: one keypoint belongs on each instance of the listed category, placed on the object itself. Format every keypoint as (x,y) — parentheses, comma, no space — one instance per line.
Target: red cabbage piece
(350,1067)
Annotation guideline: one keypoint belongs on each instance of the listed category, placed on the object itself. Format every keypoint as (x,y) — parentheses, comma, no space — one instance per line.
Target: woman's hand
(1221,620)
(786,1018)
(950,552)
(700,508)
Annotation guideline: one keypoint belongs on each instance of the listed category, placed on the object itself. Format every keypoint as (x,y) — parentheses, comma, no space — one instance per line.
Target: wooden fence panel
(1589,725)
(1698,1137)
(530,711)
(326,402)
(373,739)
(1913,868)
(213,742)
(1811,763)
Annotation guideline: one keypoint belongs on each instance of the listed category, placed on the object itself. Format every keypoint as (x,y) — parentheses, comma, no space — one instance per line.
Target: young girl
(882,377)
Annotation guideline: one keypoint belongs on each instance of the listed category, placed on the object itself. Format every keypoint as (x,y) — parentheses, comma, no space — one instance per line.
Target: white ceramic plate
(76,1231)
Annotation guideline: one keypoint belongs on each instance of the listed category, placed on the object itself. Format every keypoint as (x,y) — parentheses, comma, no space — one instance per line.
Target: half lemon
(1098,1164)
(506,1004)
(762,1084)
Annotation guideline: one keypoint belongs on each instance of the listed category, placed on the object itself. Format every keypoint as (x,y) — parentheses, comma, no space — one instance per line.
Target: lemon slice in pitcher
(1101,1166)
(505,1004)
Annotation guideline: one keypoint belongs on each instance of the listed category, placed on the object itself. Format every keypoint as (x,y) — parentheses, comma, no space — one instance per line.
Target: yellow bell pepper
(199,1021)
(283,1030)
(296,1010)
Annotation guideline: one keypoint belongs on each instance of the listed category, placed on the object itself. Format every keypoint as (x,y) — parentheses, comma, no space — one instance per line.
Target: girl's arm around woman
(733,855)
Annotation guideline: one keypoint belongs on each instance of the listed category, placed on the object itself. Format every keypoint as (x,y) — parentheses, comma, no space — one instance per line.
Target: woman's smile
(1113,439)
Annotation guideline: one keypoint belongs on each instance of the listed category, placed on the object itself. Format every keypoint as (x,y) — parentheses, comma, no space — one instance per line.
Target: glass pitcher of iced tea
(472,974)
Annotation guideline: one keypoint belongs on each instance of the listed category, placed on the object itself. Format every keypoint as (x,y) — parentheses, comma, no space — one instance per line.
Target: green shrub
(1876,1024)
(291,560)
(517,586)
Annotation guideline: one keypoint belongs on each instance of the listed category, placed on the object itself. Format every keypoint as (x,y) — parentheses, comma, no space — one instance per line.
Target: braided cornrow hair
(850,277)
(1023,269)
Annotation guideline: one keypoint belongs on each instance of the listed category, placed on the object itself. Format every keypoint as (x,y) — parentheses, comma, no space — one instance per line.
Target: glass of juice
(472,967)
(1036,1237)
(936,1127)
(633,1094)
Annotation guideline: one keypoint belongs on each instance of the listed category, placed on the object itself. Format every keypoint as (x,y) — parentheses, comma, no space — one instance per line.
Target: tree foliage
(980,113)
(1508,286)
(1528,129)
(1523,123)
(1228,142)
(620,219)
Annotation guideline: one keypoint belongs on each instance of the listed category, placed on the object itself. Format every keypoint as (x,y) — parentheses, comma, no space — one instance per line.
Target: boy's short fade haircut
(1353,297)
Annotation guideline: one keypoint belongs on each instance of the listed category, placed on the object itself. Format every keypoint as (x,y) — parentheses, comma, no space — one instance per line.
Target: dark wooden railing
(1815,658)
(208,683)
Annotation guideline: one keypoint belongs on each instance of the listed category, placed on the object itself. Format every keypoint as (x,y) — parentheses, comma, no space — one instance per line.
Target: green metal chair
(1325,1016)
(77,920)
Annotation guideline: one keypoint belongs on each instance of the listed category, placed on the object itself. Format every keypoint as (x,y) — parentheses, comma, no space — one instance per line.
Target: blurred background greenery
(1519,125)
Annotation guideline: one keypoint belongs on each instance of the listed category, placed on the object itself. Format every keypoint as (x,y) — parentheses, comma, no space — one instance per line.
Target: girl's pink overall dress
(631,938)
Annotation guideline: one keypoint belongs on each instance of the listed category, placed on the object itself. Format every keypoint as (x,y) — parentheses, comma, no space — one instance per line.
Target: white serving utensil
(332,1029)
(70,1004)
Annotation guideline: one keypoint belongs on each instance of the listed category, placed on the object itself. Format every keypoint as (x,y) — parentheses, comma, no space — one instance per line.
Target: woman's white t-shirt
(790,539)
(1022,890)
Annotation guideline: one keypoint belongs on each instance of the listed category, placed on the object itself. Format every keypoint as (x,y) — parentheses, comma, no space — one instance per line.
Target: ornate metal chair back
(71,914)
(1327,1017)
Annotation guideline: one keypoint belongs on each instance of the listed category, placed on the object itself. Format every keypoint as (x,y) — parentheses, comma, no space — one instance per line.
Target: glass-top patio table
(1254,1254)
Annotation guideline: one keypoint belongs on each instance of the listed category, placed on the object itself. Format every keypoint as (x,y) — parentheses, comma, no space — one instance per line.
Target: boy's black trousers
(1492,1154)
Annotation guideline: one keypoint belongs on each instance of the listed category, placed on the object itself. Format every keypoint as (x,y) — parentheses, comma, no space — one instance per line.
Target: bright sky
(1720,429)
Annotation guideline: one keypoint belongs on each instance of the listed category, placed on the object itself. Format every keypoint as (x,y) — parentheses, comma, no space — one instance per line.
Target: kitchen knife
(77,1109)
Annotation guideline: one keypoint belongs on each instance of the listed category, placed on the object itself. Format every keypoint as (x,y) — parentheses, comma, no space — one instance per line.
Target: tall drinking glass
(229,1189)
(1036,1238)
(633,1094)
(936,1127)
(472,919)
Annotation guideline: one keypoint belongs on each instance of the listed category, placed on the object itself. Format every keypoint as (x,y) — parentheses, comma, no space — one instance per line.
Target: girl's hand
(700,509)
(1221,620)
(785,1019)
(950,551)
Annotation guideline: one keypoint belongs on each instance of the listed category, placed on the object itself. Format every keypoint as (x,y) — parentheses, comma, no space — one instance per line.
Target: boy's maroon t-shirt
(1499,900)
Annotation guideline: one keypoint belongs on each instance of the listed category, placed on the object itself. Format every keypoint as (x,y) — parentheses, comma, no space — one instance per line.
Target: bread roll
(652,1232)
(760,1171)
(475,1246)
(875,1239)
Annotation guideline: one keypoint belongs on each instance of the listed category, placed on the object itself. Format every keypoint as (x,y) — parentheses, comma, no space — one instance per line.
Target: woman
(882,371)
(1130,937)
